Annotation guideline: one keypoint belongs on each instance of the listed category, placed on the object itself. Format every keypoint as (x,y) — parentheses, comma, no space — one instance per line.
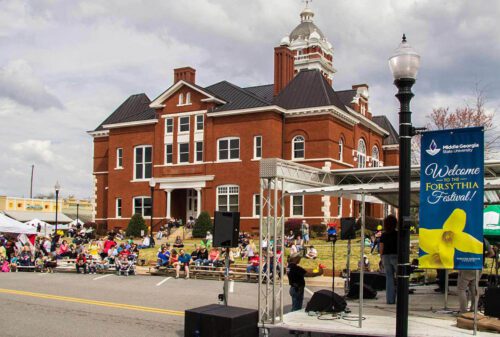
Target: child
(92,266)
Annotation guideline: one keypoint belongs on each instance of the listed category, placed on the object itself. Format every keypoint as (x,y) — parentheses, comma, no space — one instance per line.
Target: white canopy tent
(9,225)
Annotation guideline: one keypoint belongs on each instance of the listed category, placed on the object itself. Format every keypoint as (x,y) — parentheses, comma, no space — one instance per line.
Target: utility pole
(31,184)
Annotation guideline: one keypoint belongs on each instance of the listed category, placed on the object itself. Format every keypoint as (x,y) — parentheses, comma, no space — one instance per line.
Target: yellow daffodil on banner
(440,244)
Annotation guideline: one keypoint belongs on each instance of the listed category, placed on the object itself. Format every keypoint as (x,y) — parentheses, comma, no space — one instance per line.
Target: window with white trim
(188,99)
(298,147)
(361,154)
(199,122)
(341,149)
(183,153)
(228,198)
(256,205)
(143,162)
(169,155)
(339,207)
(228,149)
(169,125)
(181,99)
(297,205)
(142,206)
(118,209)
(119,157)
(375,157)
(184,124)
(198,152)
(257,147)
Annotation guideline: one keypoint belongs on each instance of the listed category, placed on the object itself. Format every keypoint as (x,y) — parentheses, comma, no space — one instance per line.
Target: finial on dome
(307,14)
(404,38)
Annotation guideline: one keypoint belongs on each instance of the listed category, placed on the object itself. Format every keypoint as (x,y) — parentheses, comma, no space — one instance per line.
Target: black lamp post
(57,187)
(152,186)
(77,208)
(404,66)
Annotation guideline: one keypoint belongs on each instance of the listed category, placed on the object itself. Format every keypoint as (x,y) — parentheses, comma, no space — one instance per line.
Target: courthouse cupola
(310,46)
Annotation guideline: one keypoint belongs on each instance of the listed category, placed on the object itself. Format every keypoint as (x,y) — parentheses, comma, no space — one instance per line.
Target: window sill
(228,161)
(119,168)
(183,133)
(140,180)
(187,104)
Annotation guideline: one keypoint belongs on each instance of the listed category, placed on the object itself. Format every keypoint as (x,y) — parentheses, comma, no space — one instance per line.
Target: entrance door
(192,204)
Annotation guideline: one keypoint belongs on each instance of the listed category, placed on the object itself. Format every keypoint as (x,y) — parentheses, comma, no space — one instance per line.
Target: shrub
(136,225)
(202,225)
(317,231)
(371,223)
(293,225)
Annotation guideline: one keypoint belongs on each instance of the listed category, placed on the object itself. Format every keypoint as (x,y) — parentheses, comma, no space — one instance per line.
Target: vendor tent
(492,223)
(9,225)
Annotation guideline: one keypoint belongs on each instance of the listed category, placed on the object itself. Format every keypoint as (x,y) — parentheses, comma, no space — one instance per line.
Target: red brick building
(201,146)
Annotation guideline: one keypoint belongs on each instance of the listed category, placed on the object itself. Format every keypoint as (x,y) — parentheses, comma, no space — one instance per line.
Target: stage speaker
(491,302)
(226,229)
(347,228)
(326,301)
(368,292)
(216,320)
(373,279)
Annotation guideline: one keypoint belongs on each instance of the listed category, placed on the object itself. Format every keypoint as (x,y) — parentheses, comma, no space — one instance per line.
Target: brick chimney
(187,74)
(283,68)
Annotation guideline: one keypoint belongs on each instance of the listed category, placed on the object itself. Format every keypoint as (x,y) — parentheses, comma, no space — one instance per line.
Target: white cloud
(19,83)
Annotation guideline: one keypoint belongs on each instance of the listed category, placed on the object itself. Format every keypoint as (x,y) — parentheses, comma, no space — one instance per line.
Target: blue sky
(66,65)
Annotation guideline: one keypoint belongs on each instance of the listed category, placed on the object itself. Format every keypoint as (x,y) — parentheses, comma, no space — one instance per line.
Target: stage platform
(426,318)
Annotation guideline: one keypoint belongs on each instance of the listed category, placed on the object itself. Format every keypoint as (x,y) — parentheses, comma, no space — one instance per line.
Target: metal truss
(276,177)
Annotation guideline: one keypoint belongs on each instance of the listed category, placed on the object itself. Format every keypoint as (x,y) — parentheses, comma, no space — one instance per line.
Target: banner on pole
(451,199)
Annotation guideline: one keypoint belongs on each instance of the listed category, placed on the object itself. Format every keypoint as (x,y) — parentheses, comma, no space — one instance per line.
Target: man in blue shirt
(184,260)
(163,257)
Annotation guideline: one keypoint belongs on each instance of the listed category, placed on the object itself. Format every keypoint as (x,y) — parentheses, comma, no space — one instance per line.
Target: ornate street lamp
(57,187)
(404,64)
(152,186)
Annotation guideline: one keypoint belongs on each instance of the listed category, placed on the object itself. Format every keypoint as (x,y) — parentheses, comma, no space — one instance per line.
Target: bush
(371,223)
(293,225)
(202,225)
(136,225)
(318,231)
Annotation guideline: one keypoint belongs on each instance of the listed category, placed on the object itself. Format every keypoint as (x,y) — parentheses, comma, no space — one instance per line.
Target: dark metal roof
(266,92)
(135,108)
(308,89)
(385,124)
(236,97)
(346,96)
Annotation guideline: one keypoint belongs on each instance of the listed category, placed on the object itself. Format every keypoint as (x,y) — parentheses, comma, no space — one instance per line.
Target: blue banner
(451,199)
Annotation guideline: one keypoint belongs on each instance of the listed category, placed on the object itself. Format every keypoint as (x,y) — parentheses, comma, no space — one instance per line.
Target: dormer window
(184,99)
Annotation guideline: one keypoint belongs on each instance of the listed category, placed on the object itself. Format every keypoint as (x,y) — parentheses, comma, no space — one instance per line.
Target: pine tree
(136,225)
(202,225)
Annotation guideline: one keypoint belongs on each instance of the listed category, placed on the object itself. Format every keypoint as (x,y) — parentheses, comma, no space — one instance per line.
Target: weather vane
(307,2)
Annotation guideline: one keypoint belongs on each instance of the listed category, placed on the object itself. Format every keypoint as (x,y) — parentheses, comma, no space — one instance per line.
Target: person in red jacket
(81,263)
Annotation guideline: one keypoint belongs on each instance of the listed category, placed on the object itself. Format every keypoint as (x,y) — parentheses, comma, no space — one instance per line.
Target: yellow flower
(440,244)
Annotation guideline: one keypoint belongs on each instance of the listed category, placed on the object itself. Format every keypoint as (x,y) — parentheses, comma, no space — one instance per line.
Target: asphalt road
(35,304)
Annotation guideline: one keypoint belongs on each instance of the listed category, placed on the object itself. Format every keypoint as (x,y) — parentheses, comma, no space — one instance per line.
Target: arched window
(298,147)
(341,149)
(188,98)
(375,156)
(361,153)
(181,99)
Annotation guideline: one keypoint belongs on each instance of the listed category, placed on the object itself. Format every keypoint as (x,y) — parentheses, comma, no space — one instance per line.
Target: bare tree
(471,114)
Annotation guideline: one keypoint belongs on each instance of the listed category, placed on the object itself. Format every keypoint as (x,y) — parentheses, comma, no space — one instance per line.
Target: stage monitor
(347,228)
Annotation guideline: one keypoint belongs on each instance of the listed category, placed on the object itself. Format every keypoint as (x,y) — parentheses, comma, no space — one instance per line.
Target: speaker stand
(334,240)
(348,269)
(226,277)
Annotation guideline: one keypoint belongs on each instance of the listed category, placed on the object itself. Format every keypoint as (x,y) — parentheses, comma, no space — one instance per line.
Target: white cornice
(368,123)
(180,114)
(323,110)
(158,102)
(390,147)
(273,108)
(97,134)
(128,124)
(184,179)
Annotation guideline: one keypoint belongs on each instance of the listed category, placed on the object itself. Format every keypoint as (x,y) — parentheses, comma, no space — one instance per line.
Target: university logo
(433,149)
